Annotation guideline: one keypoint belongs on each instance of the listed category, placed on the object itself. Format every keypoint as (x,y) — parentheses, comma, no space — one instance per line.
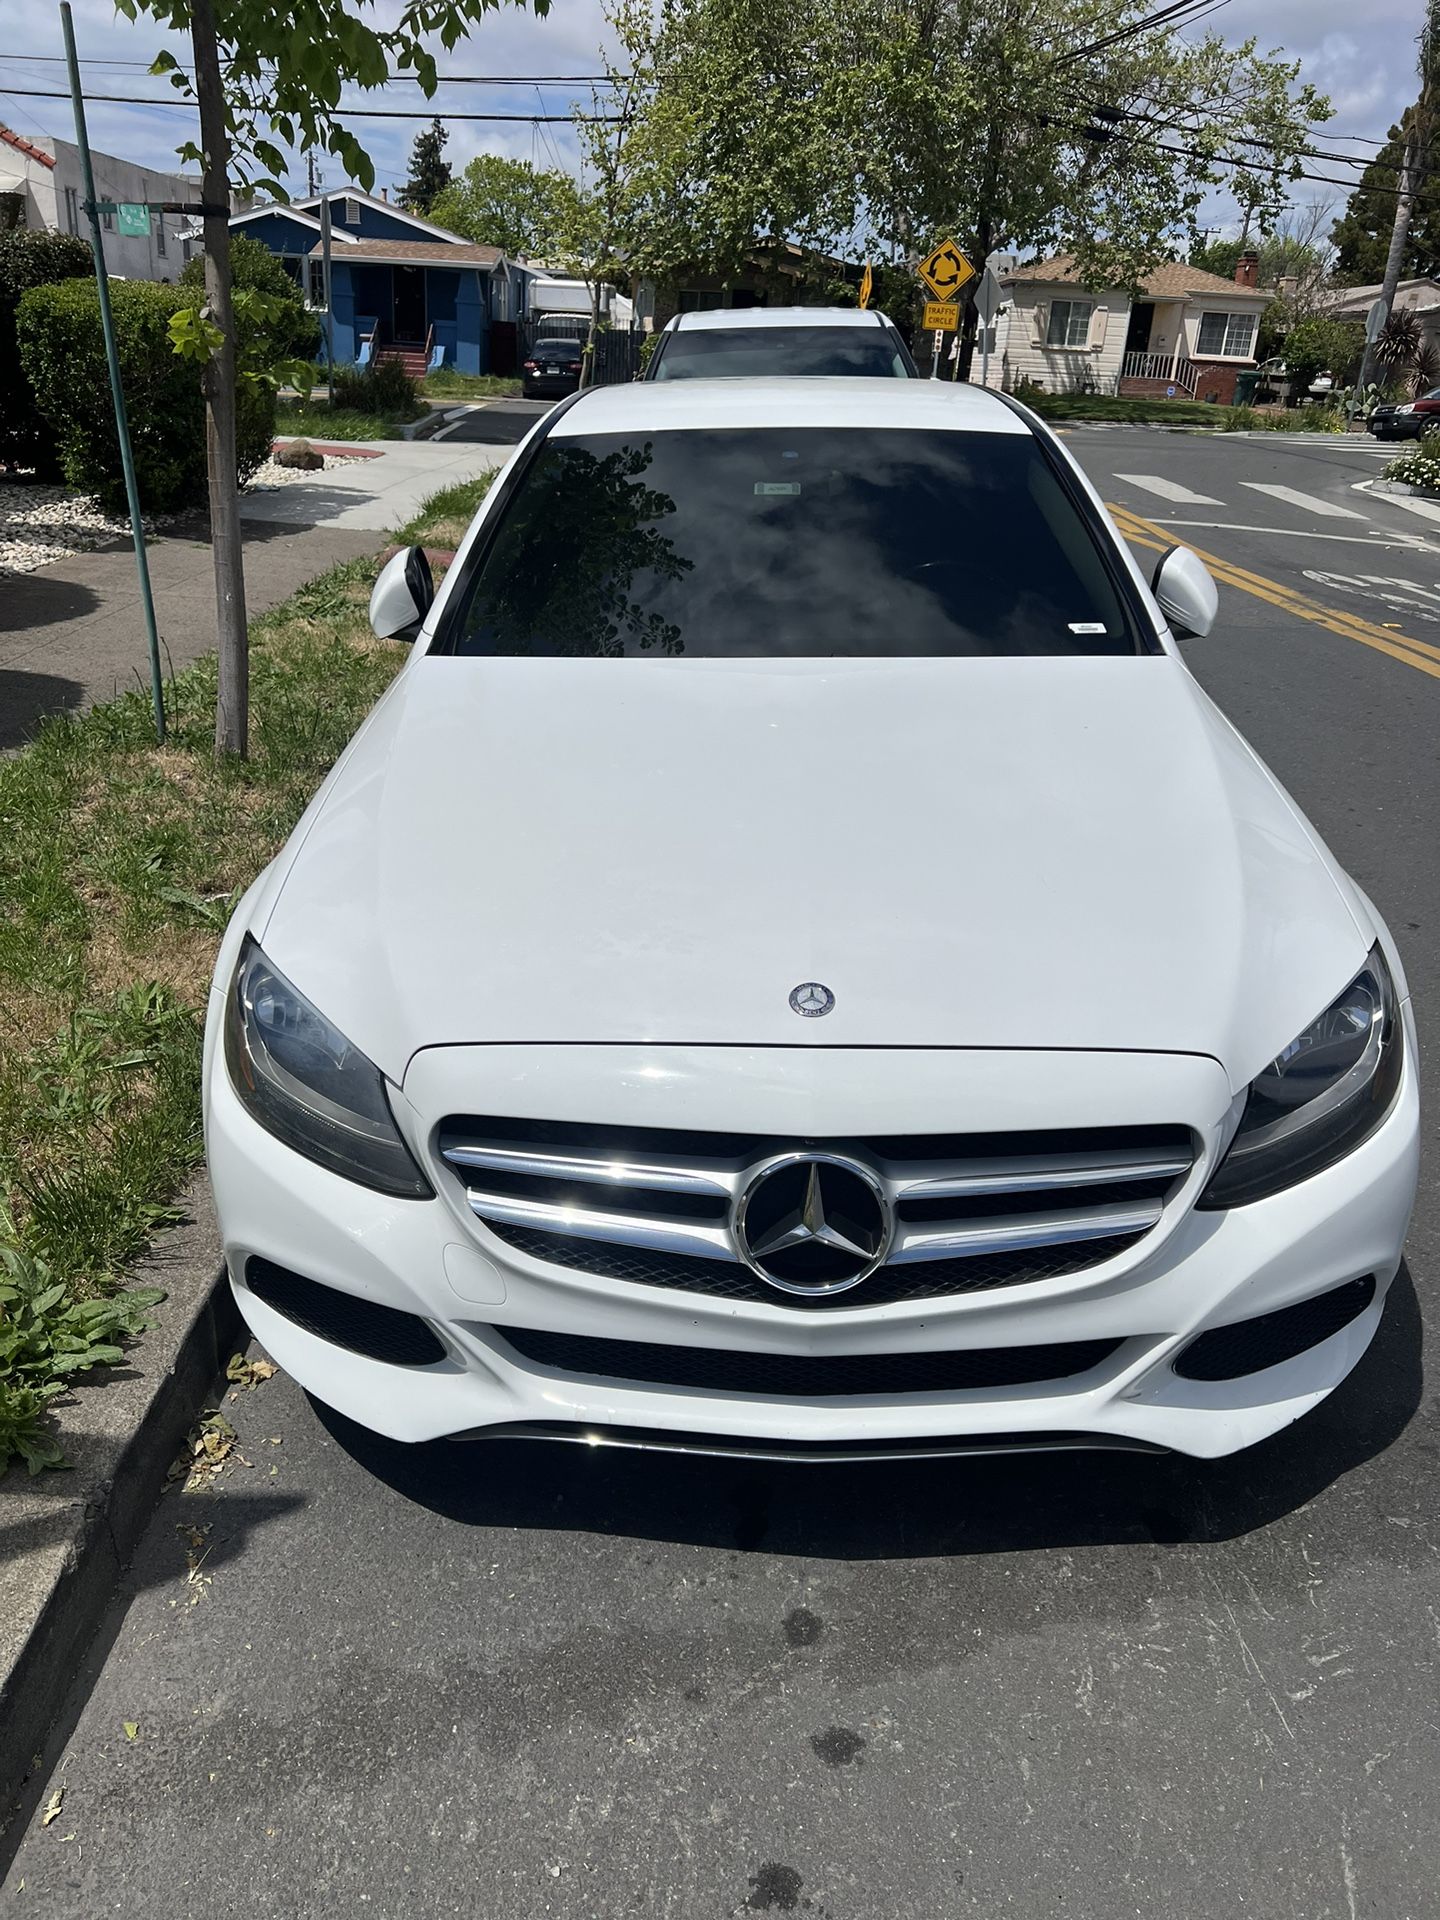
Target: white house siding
(54,196)
(1024,355)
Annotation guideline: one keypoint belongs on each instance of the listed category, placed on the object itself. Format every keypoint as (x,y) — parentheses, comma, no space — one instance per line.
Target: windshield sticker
(777,486)
(1087,626)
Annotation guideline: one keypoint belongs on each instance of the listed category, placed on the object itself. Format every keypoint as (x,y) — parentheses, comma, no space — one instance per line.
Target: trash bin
(1245,385)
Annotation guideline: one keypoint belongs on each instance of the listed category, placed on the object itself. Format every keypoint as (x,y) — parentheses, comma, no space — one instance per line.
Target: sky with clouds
(1362,56)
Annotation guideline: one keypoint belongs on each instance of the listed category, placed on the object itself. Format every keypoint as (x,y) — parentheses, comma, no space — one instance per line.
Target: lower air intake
(1249,1346)
(363,1326)
(805,1376)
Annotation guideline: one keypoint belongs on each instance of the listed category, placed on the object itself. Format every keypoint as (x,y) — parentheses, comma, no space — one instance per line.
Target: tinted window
(791,542)
(728,354)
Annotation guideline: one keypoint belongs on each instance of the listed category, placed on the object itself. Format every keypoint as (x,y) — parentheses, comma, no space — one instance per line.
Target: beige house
(1186,330)
(41,187)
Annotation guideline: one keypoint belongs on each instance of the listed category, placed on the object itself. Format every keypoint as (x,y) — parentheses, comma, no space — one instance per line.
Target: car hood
(1029,853)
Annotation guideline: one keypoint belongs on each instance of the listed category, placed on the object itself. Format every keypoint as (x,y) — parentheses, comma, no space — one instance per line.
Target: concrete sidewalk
(73,633)
(376,494)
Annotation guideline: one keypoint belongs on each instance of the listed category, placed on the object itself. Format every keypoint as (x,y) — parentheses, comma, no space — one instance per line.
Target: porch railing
(1173,368)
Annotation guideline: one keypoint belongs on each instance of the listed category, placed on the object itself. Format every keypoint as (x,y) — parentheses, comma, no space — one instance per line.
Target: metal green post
(107,323)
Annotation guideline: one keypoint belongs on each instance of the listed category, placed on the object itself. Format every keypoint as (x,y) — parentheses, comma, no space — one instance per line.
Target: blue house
(400,287)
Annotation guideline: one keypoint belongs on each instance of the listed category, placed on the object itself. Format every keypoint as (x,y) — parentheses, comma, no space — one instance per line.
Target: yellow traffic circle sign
(942,316)
(946,270)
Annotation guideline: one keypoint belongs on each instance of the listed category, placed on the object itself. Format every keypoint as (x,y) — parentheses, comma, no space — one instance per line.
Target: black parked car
(551,367)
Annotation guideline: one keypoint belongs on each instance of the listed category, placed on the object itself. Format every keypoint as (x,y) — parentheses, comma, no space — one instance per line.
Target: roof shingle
(27,147)
(440,253)
(1171,280)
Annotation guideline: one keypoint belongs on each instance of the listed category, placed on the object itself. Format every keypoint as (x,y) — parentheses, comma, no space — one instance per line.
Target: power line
(1176,14)
(444,79)
(340,113)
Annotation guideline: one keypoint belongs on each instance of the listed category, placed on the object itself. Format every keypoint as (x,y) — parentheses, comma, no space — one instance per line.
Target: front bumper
(1193,1272)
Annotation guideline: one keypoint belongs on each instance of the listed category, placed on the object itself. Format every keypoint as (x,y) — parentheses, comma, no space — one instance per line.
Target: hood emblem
(813,1223)
(811,999)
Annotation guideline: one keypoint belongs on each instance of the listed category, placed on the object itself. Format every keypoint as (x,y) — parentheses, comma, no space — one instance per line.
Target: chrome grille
(654,1207)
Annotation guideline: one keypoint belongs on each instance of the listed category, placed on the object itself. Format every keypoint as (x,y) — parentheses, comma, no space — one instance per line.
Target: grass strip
(120,863)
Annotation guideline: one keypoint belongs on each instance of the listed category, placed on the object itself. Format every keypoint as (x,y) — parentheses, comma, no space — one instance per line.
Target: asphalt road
(502,423)
(517,1682)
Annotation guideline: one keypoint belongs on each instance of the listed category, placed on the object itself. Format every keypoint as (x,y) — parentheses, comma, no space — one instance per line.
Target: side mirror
(1188,596)
(402,596)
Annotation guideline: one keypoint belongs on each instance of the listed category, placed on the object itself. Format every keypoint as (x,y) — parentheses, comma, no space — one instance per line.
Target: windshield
(743,354)
(791,543)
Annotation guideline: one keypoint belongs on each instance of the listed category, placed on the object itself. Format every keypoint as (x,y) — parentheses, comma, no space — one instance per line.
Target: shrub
(293,333)
(30,260)
(62,349)
(1418,466)
(382,387)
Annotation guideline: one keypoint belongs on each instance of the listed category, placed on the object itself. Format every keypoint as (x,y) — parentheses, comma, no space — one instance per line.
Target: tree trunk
(232,706)
(587,365)
(1399,235)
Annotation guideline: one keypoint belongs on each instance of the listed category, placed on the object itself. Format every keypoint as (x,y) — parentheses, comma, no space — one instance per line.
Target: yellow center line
(1399,646)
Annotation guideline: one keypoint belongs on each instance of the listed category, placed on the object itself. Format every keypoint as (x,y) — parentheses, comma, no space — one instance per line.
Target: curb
(75,1531)
(1401,486)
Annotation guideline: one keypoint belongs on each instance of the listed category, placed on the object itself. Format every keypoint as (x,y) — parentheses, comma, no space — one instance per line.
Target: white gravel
(39,525)
(274,475)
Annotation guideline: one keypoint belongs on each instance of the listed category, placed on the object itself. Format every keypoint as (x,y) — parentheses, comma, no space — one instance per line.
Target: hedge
(62,350)
(30,259)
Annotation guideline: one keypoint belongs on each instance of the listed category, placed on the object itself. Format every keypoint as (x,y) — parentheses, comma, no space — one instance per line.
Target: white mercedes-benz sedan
(796,965)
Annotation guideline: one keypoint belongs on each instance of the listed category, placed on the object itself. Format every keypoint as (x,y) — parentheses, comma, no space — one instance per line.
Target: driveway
(504,1680)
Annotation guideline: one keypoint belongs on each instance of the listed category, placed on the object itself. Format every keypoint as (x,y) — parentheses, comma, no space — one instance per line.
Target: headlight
(1316,1101)
(1409,407)
(305,1083)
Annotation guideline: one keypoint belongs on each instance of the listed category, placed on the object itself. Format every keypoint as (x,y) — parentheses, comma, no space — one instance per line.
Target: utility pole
(310,188)
(232,705)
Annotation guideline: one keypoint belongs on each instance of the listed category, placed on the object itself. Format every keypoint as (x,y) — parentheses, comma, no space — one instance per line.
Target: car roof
(749,319)
(659,406)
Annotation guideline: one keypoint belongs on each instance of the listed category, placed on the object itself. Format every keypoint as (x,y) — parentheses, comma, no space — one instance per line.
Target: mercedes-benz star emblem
(812,999)
(813,1223)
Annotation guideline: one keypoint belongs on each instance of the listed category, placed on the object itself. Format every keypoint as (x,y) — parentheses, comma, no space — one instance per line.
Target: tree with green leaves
(1362,233)
(503,203)
(288,330)
(430,172)
(267,77)
(874,126)
(1417,161)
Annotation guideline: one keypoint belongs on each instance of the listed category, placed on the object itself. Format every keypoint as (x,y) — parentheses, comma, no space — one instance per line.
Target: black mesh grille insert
(380,1333)
(1247,1346)
(797,1376)
(728,1280)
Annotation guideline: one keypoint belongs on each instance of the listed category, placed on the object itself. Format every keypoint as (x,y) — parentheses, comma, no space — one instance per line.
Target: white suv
(746,343)
(796,963)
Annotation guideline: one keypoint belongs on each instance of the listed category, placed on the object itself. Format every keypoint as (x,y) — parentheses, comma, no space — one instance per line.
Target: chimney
(1247,270)
(385,195)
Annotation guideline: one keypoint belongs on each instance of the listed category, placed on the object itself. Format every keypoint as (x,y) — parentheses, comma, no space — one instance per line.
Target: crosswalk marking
(1170,490)
(1294,498)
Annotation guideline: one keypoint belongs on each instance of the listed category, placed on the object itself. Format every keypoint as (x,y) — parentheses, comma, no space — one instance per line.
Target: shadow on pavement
(28,698)
(38,600)
(1025,1503)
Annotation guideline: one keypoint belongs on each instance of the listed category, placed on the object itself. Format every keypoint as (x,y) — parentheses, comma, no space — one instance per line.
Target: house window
(160,235)
(1069,323)
(1230,335)
(317,282)
(72,210)
(698,300)
(107,219)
